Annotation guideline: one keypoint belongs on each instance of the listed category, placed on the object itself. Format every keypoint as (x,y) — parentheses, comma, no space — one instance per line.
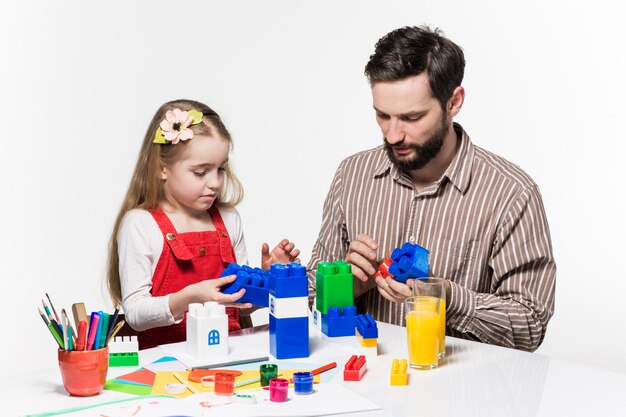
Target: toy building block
(339,321)
(317,319)
(366,330)
(124,351)
(399,375)
(289,311)
(366,326)
(207,330)
(383,269)
(409,261)
(254,280)
(354,368)
(334,285)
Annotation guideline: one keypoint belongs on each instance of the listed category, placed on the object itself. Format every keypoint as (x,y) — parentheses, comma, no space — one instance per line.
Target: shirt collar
(458,172)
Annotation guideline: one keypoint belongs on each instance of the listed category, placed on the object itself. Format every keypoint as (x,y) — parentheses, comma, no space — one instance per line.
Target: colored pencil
(324,368)
(56,316)
(114,332)
(65,327)
(112,322)
(240,362)
(56,335)
(321,369)
(45,320)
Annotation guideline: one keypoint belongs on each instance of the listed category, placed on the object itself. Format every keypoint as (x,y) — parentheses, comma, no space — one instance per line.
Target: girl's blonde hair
(146,189)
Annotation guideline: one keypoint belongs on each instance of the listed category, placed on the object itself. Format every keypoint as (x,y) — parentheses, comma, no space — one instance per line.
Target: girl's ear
(163,173)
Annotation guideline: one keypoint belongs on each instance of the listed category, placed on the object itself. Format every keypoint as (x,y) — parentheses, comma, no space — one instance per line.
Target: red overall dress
(187,258)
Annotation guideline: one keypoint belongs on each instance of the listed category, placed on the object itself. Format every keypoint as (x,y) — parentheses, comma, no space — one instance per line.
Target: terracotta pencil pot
(84,372)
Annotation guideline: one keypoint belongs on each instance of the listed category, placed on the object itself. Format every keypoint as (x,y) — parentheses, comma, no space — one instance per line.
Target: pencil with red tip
(324,368)
(321,369)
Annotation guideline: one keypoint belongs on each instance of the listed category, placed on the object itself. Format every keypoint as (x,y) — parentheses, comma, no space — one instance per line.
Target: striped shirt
(484,224)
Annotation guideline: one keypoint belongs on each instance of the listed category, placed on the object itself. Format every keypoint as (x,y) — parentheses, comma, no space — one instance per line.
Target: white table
(475,380)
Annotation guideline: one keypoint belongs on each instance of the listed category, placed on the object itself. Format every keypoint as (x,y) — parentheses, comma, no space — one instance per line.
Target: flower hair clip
(175,126)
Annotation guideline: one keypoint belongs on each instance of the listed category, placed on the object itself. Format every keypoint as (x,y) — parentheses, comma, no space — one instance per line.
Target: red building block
(383,269)
(355,368)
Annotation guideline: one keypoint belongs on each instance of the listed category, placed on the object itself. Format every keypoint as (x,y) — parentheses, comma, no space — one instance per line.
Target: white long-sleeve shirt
(140,242)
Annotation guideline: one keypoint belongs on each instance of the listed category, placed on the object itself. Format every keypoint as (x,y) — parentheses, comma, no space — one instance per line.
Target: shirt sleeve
(516,312)
(232,221)
(332,243)
(140,243)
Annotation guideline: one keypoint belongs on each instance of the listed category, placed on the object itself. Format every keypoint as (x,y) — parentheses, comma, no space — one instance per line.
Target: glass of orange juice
(422,329)
(435,287)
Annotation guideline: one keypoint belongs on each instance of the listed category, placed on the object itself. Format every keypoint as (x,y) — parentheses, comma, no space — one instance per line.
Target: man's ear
(456,101)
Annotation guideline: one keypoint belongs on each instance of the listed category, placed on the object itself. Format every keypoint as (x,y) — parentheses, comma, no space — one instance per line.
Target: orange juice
(423,326)
(442,328)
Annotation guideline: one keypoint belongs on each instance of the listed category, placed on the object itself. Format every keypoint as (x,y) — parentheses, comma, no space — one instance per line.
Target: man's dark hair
(411,50)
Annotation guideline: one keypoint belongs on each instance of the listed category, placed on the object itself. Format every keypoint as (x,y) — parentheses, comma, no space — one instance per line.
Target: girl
(178,228)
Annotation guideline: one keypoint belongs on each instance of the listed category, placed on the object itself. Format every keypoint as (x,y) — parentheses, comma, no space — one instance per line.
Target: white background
(79,83)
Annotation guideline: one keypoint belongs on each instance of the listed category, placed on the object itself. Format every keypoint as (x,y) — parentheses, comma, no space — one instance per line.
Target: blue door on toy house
(214,337)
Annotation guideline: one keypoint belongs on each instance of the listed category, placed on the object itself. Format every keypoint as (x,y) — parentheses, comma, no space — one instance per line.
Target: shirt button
(202,251)
(223,234)
(412,239)
(170,236)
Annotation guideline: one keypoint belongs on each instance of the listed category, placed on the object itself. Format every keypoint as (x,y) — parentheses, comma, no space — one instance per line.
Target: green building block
(124,359)
(334,285)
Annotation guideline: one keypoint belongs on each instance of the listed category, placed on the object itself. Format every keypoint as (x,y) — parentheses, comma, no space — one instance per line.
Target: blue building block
(339,322)
(409,261)
(289,337)
(254,280)
(288,280)
(289,311)
(366,326)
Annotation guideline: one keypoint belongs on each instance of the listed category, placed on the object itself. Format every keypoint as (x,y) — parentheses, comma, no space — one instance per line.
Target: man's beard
(423,153)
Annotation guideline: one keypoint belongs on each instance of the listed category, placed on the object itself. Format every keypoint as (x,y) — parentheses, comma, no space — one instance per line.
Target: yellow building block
(366,342)
(399,374)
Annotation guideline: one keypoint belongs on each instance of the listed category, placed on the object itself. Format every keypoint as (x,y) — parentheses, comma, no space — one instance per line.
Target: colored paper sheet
(327,399)
(164,378)
(141,376)
(133,389)
(166,363)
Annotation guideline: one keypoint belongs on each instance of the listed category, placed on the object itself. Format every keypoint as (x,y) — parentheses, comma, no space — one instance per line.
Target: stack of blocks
(409,261)
(254,280)
(289,311)
(124,351)
(335,299)
(366,330)
(207,330)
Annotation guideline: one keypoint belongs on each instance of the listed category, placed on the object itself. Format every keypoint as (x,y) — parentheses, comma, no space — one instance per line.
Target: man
(480,216)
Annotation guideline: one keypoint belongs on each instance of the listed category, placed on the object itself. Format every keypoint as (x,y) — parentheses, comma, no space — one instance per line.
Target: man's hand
(393,290)
(362,257)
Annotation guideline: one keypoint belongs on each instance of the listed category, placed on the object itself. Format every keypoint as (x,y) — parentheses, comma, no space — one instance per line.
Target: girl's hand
(212,287)
(283,253)
(203,291)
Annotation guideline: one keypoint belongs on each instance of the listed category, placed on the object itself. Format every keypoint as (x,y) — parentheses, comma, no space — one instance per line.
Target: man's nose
(395,134)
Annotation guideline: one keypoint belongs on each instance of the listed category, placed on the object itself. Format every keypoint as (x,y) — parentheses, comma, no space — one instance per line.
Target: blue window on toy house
(214,337)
